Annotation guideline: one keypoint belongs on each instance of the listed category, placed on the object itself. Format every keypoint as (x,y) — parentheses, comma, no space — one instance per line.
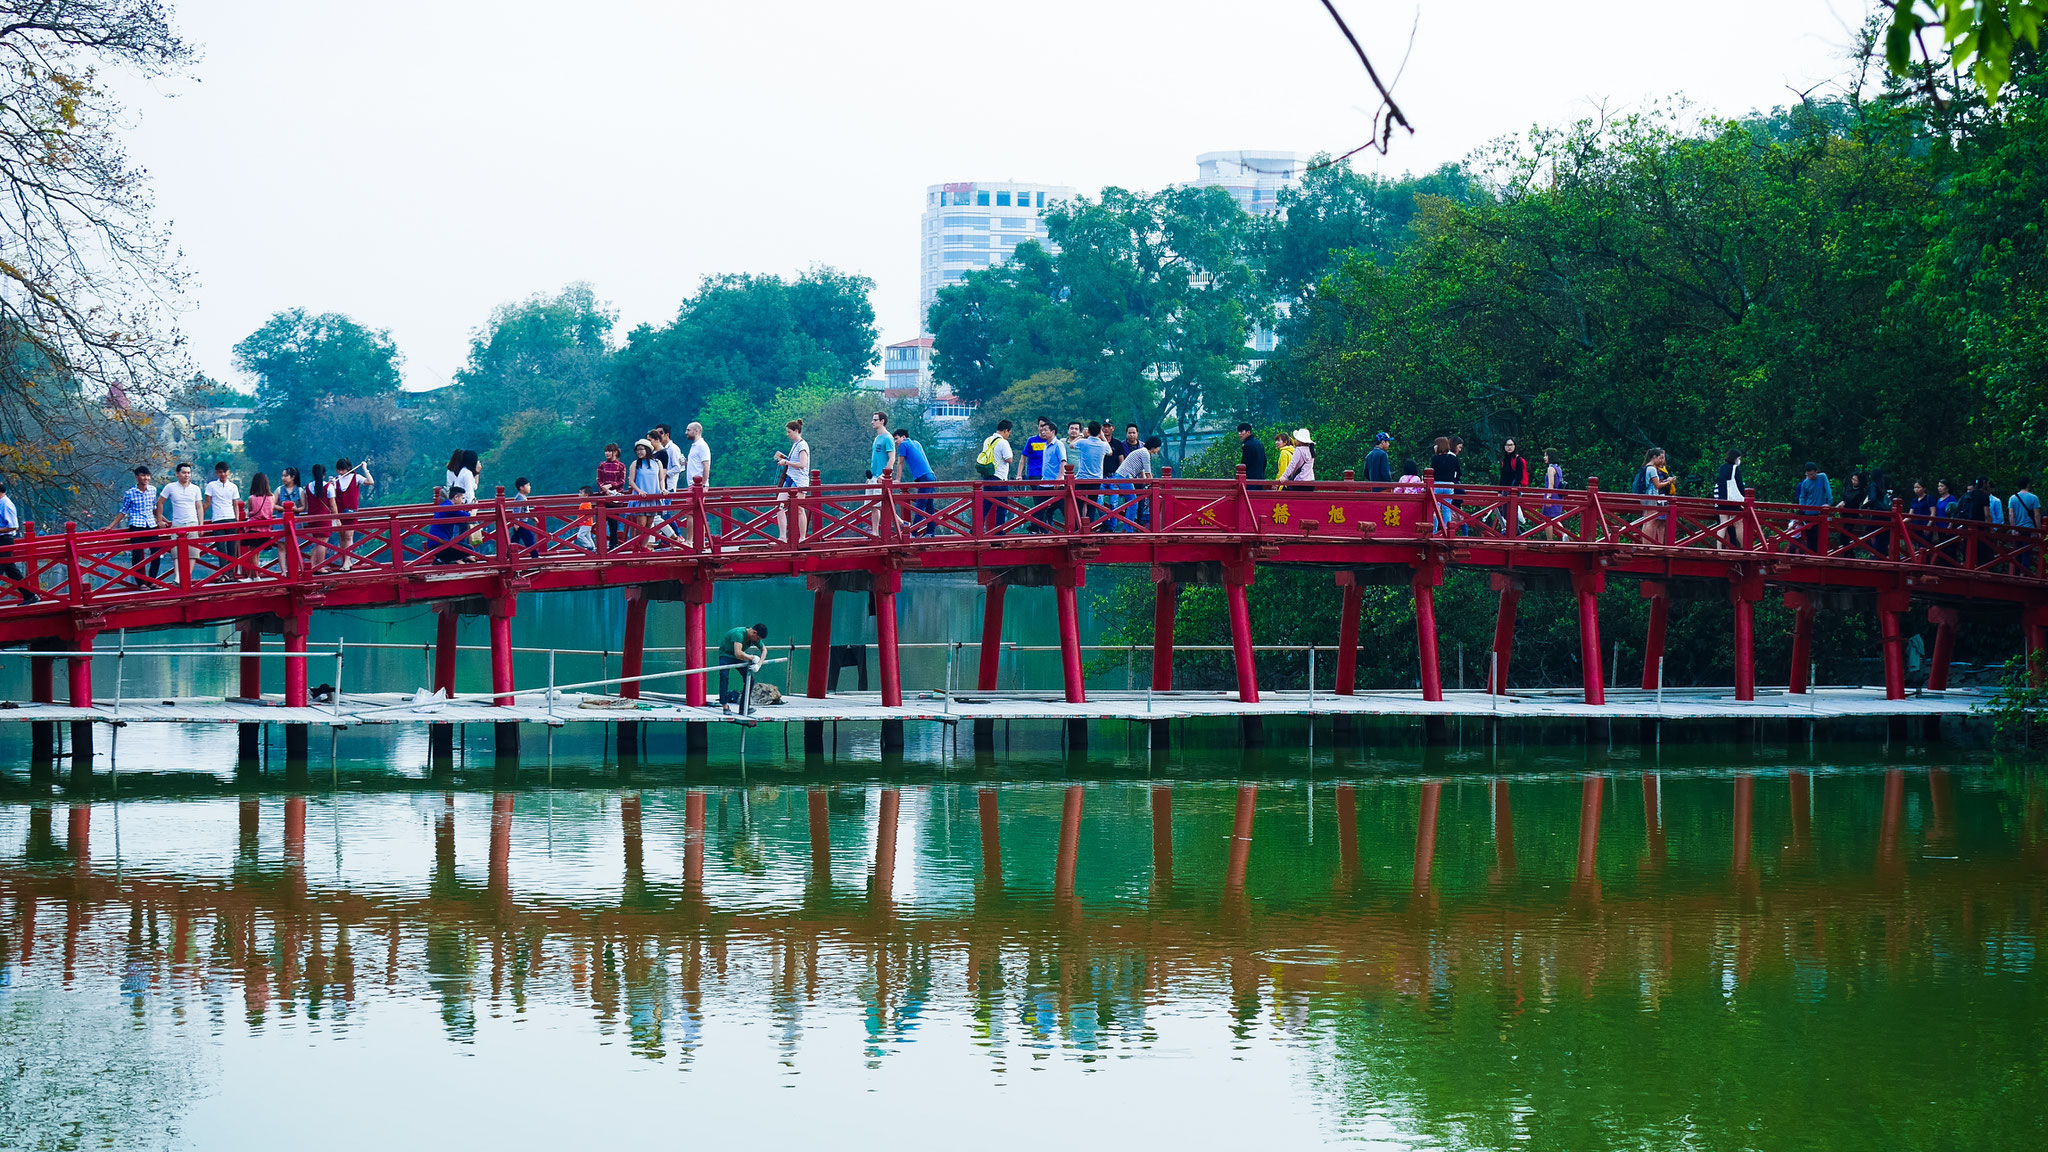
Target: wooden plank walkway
(534,708)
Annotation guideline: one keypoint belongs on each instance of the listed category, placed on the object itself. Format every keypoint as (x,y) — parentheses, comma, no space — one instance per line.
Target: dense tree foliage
(326,387)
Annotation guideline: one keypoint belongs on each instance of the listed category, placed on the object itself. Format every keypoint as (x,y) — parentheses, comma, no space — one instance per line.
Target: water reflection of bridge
(1780,895)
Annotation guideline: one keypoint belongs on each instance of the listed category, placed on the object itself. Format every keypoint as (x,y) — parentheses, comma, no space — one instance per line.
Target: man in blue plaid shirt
(138,514)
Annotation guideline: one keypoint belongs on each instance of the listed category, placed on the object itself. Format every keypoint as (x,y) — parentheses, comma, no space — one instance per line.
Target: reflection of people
(740,646)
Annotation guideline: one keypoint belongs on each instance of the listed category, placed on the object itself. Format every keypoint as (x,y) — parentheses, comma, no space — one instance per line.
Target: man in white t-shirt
(671,456)
(179,506)
(221,497)
(696,462)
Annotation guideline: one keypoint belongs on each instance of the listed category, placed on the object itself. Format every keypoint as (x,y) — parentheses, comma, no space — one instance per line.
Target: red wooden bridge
(271,576)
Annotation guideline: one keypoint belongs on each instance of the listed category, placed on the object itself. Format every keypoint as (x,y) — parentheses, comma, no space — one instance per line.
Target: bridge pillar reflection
(1240,841)
(1347,633)
(1745,808)
(1162,838)
(991,842)
(993,589)
(1425,832)
(1802,640)
(885,844)
(1591,790)
(1587,584)
(1945,619)
(1503,832)
(1347,835)
(1165,606)
(1653,822)
(1510,589)
(818,806)
(1659,597)
(1888,822)
(693,843)
(1070,843)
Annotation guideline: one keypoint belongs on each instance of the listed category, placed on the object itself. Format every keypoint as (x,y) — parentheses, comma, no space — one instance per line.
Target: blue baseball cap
(1383,437)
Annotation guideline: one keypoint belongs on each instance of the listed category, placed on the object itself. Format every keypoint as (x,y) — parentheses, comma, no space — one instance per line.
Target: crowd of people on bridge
(1105,467)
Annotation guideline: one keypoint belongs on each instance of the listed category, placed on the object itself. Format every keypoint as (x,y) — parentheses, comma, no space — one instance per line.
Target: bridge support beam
(1165,607)
(1945,619)
(1510,589)
(991,634)
(818,683)
(1347,633)
(887,583)
(1587,585)
(696,594)
(1889,606)
(1743,593)
(506,735)
(42,733)
(633,645)
(1427,577)
(1653,637)
(1236,578)
(249,737)
(1065,580)
(295,628)
(1802,640)
(446,635)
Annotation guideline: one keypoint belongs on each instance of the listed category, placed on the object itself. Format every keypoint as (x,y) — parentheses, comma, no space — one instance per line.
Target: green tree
(544,354)
(326,386)
(1980,36)
(747,335)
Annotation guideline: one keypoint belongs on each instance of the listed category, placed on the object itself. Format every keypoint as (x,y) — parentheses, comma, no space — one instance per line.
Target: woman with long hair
(319,509)
(259,505)
(1553,481)
(648,477)
(795,472)
(1514,473)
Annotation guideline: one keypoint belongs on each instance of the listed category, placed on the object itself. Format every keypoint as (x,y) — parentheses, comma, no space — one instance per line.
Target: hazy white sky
(414,164)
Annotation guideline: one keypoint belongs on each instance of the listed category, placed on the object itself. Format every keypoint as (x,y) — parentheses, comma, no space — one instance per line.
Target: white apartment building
(1254,176)
(970,226)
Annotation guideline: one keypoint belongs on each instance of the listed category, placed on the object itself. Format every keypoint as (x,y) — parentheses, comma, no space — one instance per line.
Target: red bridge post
(1889,605)
(993,588)
(1347,633)
(1165,607)
(819,680)
(696,593)
(249,737)
(1802,640)
(503,608)
(295,625)
(441,737)
(1587,584)
(1659,597)
(1510,589)
(1427,577)
(1743,593)
(42,690)
(1065,580)
(1236,578)
(633,646)
(887,582)
(1944,618)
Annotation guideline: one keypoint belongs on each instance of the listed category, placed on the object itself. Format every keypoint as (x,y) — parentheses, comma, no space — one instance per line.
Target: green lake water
(1333,940)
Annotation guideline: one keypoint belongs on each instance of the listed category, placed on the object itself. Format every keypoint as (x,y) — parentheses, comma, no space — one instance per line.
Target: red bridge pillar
(993,588)
(1889,605)
(1510,589)
(445,638)
(1065,581)
(1237,576)
(295,628)
(1944,619)
(252,665)
(1427,576)
(1802,640)
(633,646)
(821,638)
(1347,633)
(696,594)
(1659,597)
(887,583)
(1743,592)
(1165,606)
(503,608)
(78,669)
(1587,585)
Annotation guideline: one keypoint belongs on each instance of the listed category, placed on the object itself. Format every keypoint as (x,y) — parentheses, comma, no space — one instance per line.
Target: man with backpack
(993,464)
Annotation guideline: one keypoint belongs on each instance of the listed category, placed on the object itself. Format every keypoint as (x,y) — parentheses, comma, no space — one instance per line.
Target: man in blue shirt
(10,527)
(1377,468)
(138,514)
(2023,508)
(917,470)
(882,453)
(1086,453)
(1814,492)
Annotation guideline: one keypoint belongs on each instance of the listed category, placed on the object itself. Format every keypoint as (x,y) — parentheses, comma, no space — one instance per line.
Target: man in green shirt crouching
(740,646)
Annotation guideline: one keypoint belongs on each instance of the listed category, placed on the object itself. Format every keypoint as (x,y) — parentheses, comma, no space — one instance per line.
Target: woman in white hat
(648,477)
(1300,472)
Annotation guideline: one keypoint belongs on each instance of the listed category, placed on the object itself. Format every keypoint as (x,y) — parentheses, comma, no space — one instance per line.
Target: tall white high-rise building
(1254,176)
(975,225)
